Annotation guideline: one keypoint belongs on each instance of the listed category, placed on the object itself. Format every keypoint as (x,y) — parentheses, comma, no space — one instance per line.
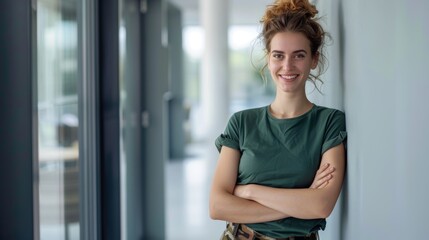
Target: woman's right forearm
(227,207)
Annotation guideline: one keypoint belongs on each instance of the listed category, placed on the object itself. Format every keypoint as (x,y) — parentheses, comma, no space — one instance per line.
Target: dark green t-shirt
(283,153)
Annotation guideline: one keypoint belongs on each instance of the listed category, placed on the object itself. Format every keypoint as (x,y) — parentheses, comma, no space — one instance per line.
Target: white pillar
(215,67)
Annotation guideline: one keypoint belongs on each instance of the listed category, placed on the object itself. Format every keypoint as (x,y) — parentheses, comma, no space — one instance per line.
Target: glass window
(130,137)
(58,120)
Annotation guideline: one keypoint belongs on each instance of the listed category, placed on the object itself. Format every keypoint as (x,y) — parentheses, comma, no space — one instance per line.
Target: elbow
(325,213)
(324,205)
(325,210)
(214,211)
(218,205)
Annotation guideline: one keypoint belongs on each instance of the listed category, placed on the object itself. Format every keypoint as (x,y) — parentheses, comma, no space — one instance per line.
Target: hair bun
(281,7)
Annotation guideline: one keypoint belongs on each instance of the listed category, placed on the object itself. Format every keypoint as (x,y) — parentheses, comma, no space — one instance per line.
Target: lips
(289,77)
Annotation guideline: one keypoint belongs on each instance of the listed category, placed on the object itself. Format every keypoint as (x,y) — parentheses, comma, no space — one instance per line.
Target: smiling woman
(290,61)
(281,166)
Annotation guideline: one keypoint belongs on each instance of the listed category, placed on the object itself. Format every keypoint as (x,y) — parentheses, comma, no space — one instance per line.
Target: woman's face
(290,61)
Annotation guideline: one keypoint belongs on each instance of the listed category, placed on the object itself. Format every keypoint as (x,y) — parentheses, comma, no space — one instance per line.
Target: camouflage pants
(242,232)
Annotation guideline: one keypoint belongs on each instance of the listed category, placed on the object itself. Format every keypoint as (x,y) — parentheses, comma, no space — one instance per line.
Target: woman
(281,167)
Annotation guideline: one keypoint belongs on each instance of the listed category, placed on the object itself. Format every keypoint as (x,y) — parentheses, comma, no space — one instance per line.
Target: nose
(288,63)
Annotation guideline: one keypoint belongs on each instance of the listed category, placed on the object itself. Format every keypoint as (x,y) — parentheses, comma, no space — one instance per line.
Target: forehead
(290,42)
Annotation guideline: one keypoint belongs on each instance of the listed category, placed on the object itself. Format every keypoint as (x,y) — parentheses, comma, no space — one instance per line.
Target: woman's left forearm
(302,203)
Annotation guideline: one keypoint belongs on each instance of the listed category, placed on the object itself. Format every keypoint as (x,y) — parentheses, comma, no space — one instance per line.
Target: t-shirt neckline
(270,115)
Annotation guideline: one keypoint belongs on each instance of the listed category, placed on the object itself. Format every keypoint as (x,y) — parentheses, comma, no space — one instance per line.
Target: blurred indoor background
(110,110)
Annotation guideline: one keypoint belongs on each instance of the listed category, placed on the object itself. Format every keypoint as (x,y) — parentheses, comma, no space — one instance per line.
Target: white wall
(332,89)
(383,61)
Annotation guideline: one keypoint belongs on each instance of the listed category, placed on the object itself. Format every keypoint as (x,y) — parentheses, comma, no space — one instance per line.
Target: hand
(242,191)
(323,175)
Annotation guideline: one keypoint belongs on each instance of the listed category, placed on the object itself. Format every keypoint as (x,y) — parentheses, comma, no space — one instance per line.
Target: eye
(300,56)
(277,56)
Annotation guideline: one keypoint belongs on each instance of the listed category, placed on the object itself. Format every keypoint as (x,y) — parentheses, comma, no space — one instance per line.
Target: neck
(289,106)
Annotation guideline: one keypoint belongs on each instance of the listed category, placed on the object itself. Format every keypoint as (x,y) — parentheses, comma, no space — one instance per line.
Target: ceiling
(242,12)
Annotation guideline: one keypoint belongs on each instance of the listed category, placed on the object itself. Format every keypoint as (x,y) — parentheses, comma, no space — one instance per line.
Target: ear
(315,60)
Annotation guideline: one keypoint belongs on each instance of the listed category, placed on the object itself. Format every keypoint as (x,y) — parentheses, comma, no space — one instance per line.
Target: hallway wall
(384,68)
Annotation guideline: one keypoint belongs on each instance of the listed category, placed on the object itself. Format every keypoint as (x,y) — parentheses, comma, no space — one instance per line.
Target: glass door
(58,119)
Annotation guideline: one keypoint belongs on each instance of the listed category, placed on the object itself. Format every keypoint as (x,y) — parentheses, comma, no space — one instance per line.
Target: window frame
(88,95)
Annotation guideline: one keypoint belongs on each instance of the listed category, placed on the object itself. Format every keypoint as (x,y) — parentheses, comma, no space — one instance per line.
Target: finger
(323,167)
(327,170)
(318,180)
(322,175)
(323,185)
(323,181)
(325,173)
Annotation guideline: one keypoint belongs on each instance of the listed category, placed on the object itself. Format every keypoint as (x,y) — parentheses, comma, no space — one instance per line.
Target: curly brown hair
(295,16)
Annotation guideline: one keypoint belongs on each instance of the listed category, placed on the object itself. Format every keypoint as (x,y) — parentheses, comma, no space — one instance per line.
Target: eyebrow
(297,51)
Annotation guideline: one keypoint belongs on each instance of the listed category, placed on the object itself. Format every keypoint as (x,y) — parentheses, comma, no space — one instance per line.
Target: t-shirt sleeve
(335,133)
(230,137)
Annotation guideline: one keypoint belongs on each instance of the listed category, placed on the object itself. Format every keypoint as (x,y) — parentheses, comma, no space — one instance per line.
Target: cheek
(273,71)
(272,66)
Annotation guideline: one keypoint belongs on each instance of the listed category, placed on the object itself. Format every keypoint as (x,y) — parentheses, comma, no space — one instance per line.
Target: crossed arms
(256,203)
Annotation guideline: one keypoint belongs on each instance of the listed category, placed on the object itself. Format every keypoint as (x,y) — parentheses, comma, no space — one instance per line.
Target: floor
(188,183)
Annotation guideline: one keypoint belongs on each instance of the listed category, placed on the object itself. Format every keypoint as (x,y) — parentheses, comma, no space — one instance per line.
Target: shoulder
(328,113)
(330,117)
(332,122)
(242,120)
(252,113)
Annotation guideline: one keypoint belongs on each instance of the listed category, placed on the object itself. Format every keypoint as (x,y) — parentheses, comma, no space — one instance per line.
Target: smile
(289,77)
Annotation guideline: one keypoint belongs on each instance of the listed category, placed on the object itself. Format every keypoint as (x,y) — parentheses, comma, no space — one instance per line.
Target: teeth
(290,76)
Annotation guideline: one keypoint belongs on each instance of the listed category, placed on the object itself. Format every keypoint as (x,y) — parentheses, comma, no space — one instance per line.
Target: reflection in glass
(57,84)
